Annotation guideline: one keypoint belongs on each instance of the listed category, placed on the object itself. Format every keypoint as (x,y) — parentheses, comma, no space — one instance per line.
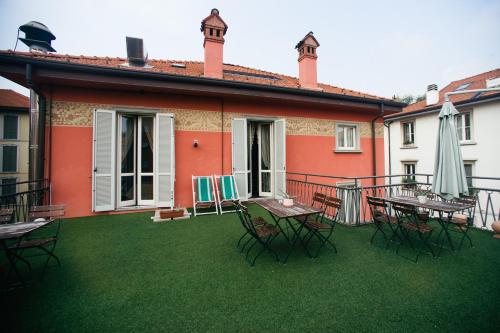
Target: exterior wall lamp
(195,144)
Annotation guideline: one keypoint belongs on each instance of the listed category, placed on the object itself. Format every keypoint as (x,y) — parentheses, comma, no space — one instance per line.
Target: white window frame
(1,157)
(2,126)
(472,167)
(2,187)
(461,118)
(405,164)
(356,140)
(412,133)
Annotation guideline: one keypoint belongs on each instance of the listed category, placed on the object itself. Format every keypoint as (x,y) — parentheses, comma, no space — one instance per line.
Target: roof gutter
(192,79)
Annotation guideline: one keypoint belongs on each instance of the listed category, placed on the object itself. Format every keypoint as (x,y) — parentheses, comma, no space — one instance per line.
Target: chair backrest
(228,188)
(378,207)
(332,207)
(468,200)
(47,212)
(204,188)
(6,215)
(245,218)
(318,200)
(406,211)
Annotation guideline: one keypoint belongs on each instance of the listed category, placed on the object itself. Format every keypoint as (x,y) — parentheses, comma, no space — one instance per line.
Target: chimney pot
(308,77)
(214,29)
(432,95)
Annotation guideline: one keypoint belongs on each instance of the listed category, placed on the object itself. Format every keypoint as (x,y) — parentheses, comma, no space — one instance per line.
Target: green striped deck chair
(227,193)
(204,199)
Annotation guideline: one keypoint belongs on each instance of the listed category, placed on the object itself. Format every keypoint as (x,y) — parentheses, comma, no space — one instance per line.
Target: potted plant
(408,182)
(421,195)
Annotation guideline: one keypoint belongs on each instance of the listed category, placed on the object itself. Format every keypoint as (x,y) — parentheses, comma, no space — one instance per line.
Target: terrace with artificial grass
(125,273)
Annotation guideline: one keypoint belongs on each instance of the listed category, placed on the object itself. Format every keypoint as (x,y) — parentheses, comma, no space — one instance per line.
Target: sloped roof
(11,99)
(472,82)
(193,69)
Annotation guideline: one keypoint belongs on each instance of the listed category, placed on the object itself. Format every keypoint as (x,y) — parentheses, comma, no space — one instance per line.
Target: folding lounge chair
(227,193)
(204,195)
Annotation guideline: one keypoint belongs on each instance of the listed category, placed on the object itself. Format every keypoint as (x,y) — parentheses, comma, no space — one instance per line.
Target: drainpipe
(222,134)
(388,126)
(374,146)
(37,131)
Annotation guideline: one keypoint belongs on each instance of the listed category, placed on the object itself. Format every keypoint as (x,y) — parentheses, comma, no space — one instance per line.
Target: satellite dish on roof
(37,37)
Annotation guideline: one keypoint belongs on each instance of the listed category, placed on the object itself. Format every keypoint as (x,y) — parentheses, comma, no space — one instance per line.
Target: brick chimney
(214,29)
(308,77)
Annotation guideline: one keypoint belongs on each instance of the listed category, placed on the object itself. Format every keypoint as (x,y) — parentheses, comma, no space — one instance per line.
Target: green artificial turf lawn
(124,273)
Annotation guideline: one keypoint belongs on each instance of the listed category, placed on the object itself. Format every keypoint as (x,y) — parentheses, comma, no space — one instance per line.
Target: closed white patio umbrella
(449,172)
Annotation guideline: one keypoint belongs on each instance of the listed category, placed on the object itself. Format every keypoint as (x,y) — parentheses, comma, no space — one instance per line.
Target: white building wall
(483,150)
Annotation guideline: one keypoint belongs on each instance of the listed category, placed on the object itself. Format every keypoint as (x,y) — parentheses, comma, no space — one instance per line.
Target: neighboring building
(14,137)
(410,136)
(130,133)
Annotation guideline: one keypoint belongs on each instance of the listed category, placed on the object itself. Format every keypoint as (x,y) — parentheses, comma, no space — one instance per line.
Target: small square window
(8,186)
(8,155)
(10,126)
(468,173)
(347,137)
(409,170)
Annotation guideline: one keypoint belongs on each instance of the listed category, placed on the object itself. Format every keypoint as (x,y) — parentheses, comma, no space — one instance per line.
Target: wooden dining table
(445,210)
(288,214)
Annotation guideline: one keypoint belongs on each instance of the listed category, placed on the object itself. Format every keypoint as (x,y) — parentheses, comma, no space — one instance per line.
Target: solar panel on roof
(462,86)
(262,76)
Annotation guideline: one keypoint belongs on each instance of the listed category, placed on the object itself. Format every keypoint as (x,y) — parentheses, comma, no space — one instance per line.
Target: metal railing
(24,195)
(353,192)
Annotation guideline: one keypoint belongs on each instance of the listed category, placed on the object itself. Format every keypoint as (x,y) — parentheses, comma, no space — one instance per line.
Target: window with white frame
(409,169)
(8,186)
(9,127)
(468,166)
(408,133)
(8,158)
(463,122)
(347,137)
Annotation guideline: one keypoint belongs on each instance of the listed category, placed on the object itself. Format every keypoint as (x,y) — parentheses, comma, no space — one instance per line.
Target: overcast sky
(378,47)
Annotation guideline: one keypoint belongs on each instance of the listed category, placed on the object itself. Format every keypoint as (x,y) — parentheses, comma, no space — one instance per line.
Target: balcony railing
(21,196)
(353,192)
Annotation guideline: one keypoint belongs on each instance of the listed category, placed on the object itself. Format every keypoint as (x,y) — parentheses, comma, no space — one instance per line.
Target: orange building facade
(146,130)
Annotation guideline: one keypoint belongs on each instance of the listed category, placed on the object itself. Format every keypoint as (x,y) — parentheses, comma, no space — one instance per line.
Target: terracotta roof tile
(10,98)
(476,82)
(192,68)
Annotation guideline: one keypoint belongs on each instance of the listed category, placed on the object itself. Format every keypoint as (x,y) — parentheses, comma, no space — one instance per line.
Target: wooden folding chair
(465,219)
(204,197)
(262,233)
(322,228)
(410,223)
(48,235)
(381,218)
(227,193)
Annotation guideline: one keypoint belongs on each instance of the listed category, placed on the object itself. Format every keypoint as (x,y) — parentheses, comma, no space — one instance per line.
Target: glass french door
(265,154)
(127,160)
(136,152)
(145,172)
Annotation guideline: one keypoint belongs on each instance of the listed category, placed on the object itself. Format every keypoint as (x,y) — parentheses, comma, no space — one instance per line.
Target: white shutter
(104,170)
(165,160)
(240,157)
(280,157)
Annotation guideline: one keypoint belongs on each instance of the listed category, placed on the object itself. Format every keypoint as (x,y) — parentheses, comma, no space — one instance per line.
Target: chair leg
(241,238)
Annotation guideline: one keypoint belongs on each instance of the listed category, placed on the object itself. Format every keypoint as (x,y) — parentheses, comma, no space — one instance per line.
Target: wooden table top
(274,207)
(442,206)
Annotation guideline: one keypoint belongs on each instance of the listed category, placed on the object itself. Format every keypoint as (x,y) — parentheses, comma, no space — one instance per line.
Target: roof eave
(192,79)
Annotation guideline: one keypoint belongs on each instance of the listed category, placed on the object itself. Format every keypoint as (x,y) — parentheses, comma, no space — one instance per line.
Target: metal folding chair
(262,234)
(48,237)
(381,217)
(318,201)
(409,222)
(322,227)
